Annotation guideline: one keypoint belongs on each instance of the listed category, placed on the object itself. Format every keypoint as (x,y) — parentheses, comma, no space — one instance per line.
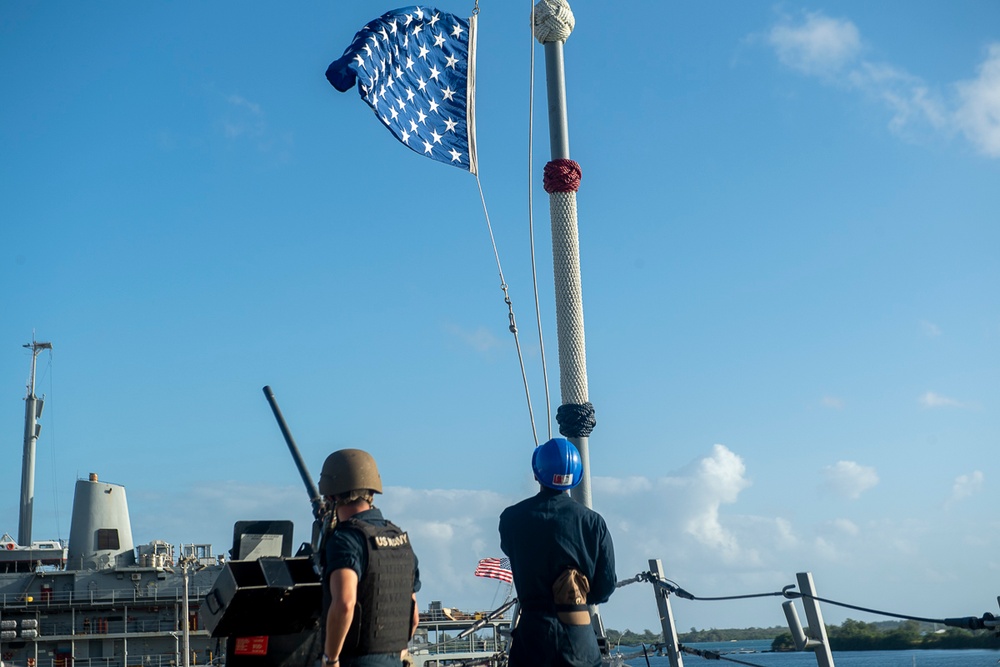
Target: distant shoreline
(851,635)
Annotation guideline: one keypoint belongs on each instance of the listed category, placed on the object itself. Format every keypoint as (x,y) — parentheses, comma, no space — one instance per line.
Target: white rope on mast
(553,22)
(569,310)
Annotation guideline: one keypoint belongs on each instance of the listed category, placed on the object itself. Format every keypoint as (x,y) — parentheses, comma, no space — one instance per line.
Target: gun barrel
(311,489)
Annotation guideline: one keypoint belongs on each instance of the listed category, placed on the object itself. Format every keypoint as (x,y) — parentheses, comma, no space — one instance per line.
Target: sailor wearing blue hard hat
(557,464)
(562,559)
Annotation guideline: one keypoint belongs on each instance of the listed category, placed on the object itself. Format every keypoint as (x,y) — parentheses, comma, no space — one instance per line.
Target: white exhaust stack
(100,536)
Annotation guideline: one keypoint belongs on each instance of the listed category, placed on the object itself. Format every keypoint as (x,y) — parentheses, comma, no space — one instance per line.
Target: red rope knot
(562,175)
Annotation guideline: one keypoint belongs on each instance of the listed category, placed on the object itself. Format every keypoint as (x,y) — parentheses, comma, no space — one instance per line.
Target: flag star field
(415,67)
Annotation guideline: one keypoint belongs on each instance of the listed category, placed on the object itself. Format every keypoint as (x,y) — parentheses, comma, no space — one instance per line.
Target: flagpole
(553,25)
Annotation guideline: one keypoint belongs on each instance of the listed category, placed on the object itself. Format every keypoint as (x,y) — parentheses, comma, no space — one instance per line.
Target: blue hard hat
(557,464)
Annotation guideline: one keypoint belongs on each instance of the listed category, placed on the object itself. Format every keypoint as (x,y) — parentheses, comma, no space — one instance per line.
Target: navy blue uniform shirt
(544,534)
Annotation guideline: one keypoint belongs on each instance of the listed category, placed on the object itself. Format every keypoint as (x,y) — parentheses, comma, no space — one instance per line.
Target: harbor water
(757,653)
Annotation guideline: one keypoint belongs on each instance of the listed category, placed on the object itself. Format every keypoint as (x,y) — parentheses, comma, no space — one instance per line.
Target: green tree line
(629,638)
(850,635)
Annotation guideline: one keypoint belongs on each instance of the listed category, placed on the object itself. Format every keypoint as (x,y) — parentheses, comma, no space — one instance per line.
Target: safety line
(987,620)
(510,310)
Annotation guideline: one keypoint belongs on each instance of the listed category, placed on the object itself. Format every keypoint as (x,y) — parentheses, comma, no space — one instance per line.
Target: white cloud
(932,400)
(450,530)
(717,480)
(966,486)
(695,520)
(206,513)
(682,512)
(845,526)
(909,99)
(930,329)
(827,550)
(243,122)
(978,113)
(480,340)
(833,402)
(817,45)
(244,118)
(624,486)
(785,531)
(849,479)
(835,541)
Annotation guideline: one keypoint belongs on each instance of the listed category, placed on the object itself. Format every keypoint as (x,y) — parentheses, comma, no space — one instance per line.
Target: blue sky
(788,236)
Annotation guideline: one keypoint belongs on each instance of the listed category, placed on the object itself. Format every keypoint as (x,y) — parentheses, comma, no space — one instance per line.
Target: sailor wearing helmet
(370,575)
(562,559)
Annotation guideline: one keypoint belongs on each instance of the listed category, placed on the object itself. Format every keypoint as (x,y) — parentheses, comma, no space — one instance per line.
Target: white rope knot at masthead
(554,21)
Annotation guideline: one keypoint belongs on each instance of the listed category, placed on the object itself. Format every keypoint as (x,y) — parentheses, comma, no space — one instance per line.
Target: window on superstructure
(107,538)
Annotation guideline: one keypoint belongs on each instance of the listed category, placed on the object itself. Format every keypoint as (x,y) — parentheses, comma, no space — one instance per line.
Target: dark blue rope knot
(576,420)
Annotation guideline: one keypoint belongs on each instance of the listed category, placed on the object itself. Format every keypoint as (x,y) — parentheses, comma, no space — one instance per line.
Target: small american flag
(416,68)
(495,568)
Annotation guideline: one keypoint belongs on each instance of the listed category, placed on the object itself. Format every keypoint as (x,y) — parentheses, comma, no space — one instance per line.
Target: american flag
(416,68)
(495,568)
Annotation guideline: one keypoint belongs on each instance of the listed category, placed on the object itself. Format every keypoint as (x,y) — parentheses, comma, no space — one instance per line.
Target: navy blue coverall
(542,535)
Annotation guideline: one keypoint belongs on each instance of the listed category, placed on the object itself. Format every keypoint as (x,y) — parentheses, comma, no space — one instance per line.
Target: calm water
(929,658)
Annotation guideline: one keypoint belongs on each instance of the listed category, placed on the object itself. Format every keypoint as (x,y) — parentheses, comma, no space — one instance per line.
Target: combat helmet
(557,464)
(349,469)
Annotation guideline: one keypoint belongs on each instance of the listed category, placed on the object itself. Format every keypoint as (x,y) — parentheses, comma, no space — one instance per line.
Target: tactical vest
(384,614)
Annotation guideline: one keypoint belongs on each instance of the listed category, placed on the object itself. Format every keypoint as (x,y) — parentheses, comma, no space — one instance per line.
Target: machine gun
(268,606)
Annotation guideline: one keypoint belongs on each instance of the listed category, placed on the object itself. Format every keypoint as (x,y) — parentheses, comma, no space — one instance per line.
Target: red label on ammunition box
(251,645)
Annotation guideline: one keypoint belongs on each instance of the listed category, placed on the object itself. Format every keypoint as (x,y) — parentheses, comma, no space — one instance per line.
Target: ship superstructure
(99,601)
(102,601)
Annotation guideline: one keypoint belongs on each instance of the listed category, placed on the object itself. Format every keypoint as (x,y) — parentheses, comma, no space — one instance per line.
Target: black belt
(551,608)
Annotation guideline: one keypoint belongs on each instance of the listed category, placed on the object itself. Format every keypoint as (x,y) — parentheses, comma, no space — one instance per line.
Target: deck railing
(145,660)
(100,597)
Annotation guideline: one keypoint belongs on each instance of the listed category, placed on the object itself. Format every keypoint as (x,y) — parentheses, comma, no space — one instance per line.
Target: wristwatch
(328,662)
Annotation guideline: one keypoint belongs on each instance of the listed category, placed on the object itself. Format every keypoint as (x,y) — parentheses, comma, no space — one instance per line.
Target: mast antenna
(32,412)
